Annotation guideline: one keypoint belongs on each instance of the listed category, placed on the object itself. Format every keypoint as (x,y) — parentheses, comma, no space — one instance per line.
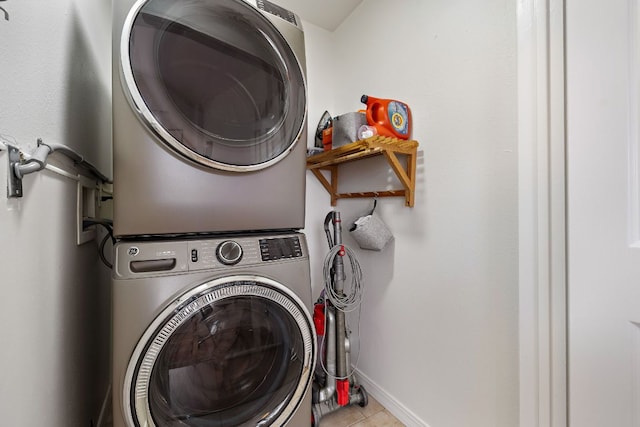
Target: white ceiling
(327,14)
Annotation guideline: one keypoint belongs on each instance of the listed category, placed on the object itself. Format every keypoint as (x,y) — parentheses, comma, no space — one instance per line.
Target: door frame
(542,214)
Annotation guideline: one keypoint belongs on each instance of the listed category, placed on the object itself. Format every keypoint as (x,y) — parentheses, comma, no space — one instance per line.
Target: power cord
(108,225)
(349,301)
(352,297)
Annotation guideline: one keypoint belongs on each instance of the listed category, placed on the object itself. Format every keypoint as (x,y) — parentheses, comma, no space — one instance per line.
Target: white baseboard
(106,406)
(390,403)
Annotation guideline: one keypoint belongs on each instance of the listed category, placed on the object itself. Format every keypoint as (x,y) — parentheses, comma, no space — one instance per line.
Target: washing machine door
(214,80)
(237,351)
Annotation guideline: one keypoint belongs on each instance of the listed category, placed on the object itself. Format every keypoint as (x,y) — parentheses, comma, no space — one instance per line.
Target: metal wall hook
(375,203)
(35,163)
(14,184)
(6,14)
(19,166)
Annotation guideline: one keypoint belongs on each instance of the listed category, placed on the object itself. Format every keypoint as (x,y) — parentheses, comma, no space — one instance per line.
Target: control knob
(229,252)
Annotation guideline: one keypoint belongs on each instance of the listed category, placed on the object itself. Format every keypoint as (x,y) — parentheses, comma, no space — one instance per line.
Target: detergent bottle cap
(364,99)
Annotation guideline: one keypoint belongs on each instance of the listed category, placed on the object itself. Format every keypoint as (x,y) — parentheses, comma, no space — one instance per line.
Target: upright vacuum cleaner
(335,385)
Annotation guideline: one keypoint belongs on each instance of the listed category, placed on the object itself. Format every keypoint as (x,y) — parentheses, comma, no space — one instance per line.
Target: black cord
(101,252)
(108,225)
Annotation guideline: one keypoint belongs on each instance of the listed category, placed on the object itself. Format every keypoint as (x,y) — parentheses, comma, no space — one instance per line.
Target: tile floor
(372,415)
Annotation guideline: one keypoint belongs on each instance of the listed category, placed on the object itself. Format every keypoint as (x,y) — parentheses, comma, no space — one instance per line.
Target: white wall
(54,358)
(439,320)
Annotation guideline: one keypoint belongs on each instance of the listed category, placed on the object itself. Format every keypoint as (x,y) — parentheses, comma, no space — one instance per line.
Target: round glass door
(232,352)
(215,80)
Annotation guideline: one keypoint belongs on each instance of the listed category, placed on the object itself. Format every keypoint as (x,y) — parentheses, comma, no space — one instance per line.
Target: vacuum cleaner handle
(327,231)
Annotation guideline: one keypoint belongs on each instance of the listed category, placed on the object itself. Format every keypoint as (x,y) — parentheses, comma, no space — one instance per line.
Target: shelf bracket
(330,185)
(14,183)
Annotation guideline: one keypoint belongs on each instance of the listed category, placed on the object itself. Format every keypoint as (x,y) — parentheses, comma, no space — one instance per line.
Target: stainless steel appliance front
(207,337)
(209,126)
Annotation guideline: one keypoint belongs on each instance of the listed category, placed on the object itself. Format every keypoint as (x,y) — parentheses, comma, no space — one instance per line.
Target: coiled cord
(351,296)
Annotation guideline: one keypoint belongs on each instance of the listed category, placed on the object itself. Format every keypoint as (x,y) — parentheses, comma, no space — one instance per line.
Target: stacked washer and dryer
(211,283)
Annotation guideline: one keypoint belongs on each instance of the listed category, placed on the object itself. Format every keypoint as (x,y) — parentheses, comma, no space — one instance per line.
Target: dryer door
(214,80)
(234,351)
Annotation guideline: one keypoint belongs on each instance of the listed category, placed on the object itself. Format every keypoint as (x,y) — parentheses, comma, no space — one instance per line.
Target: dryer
(213,333)
(209,117)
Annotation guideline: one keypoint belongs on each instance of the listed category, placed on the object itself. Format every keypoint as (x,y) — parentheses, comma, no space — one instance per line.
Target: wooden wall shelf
(370,147)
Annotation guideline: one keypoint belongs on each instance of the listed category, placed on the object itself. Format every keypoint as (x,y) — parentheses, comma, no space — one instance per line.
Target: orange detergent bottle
(389,117)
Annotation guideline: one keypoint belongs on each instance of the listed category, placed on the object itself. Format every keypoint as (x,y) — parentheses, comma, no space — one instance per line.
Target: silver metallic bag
(345,128)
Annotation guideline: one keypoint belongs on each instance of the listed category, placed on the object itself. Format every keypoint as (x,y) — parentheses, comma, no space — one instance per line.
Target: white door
(603,186)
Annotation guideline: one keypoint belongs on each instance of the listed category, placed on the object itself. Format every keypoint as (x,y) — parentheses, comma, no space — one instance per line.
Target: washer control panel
(245,251)
(280,248)
(149,258)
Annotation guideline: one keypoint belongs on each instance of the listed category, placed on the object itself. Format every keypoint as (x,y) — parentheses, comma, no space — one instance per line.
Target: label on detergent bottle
(398,117)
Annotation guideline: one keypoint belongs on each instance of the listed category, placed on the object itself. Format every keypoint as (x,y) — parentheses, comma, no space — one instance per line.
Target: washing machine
(209,117)
(213,332)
